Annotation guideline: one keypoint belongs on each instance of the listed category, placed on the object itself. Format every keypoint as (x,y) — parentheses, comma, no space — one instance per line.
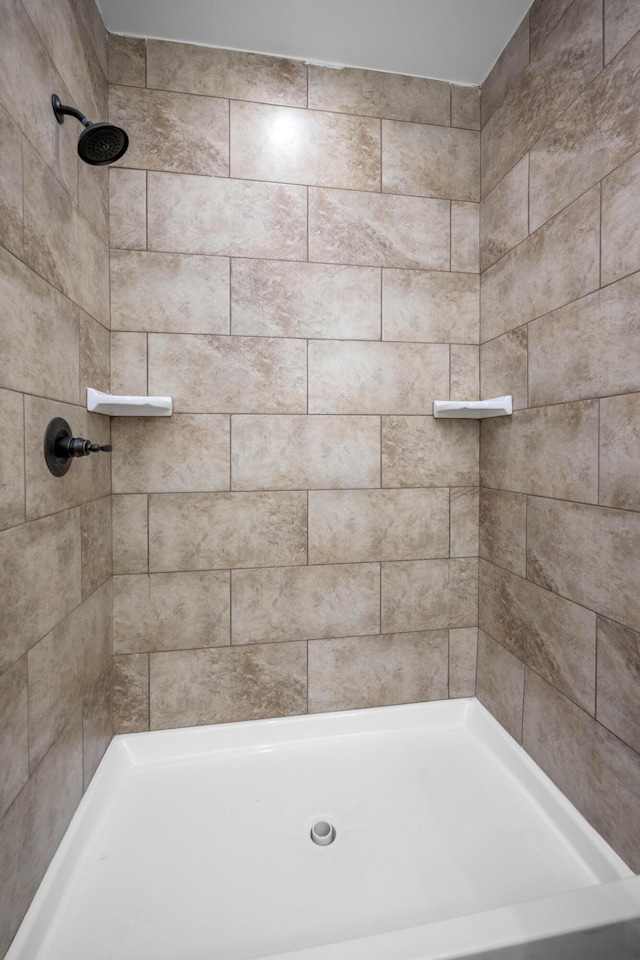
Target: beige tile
(95,30)
(205,531)
(273,298)
(130,534)
(503,529)
(428,161)
(463,650)
(594,770)
(619,451)
(11,215)
(96,544)
(565,65)
(305,603)
(621,22)
(500,684)
(169,292)
(589,554)
(557,264)
(465,237)
(129,364)
(12,491)
(127,60)
(430,307)
(588,348)
(95,364)
(229,374)
(423,452)
(506,70)
(305,452)
(89,478)
(464,378)
(304,146)
(504,215)
(618,681)
(368,525)
(370,93)
(226,73)
(14,733)
(549,451)
(128,208)
(182,453)
(356,672)
(598,132)
(215,215)
(620,213)
(172,131)
(353,377)
(192,687)
(34,826)
(46,556)
(64,666)
(59,244)
(378,229)
(170,611)
(553,636)
(465,107)
(97,725)
(429,595)
(504,366)
(130,693)
(464,522)
(544,15)
(29,310)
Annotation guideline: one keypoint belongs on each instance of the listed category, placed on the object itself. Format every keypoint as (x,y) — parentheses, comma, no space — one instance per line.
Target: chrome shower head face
(102,143)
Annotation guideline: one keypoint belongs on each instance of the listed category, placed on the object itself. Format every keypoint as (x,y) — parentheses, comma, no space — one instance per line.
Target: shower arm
(61,111)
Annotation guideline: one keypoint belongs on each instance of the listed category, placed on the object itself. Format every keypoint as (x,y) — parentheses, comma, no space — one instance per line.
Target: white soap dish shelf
(473,409)
(126,406)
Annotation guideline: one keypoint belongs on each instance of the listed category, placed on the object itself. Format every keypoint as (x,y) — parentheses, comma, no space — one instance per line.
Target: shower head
(99,143)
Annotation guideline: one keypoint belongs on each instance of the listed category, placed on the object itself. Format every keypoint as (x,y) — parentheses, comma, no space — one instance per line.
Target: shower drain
(323,833)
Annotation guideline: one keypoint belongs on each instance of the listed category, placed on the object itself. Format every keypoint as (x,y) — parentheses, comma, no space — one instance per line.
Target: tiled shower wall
(294,258)
(55,535)
(559,647)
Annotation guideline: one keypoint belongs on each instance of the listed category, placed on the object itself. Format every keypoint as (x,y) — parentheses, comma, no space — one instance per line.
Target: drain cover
(323,833)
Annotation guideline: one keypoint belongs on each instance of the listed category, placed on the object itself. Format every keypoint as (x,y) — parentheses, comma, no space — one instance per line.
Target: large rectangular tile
(12,505)
(170,611)
(620,214)
(503,529)
(618,682)
(500,684)
(465,106)
(211,71)
(374,94)
(504,364)
(169,292)
(547,452)
(130,692)
(128,209)
(463,532)
(506,70)
(356,377)
(52,548)
(504,215)
(359,672)
(174,132)
(621,23)
(597,133)
(589,554)
(544,15)
(368,525)
(564,66)
(129,362)
(597,772)
(463,655)
(465,236)
(429,595)
(429,161)
(273,298)
(14,733)
(304,146)
(93,198)
(305,452)
(305,603)
(229,374)
(588,348)
(11,209)
(97,538)
(423,452)
(94,356)
(464,375)
(553,636)
(191,687)
(620,451)
(97,725)
(183,453)
(215,215)
(130,534)
(434,307)
(63,666)
(555,265)
(127,61)
(378,229)
(206,531)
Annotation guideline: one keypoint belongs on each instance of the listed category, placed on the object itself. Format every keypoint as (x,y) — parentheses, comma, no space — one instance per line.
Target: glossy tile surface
(429,161)
(434,307)
(423,452)
(433,593)
(374,94)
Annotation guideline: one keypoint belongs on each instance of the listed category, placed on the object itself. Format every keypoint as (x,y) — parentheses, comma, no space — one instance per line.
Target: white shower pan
(449,842)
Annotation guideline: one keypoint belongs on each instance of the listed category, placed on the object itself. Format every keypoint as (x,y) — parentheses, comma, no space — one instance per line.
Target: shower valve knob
(78,447)
(61,447)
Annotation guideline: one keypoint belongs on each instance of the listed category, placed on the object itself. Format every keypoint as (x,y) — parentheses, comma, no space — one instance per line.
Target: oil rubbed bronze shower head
(99,143)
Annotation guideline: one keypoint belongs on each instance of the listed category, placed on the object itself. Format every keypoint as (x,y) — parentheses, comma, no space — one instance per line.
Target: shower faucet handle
(78,447)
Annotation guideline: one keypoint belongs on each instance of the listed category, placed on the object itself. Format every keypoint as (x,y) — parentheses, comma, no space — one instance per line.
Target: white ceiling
(455,40)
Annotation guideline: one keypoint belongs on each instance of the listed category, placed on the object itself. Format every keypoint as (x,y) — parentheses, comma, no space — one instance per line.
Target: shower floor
(195,844)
